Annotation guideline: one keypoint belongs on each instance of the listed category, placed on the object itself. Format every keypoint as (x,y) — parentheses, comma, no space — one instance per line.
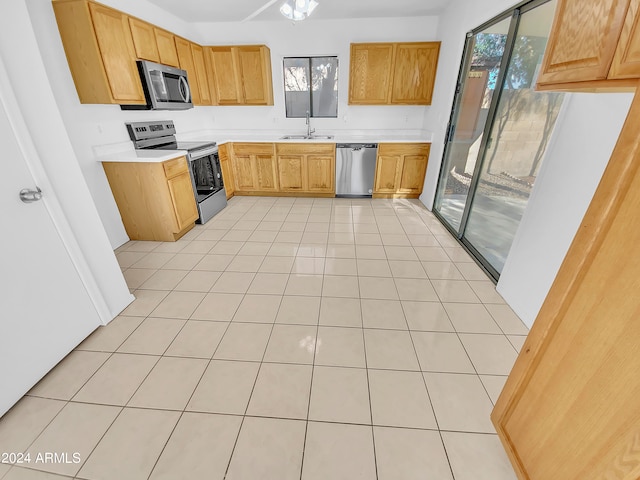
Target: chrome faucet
(309,129)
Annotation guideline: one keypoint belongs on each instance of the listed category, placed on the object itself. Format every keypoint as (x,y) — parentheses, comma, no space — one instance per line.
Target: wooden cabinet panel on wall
(370,73)
(155,200)
(240,75)
(223,80)
(594,45)
(393,73)
(626,61)
(167,48)
(254,167)
(201,73)
(144,40)
(254,74)
(414,73)
(185,57)
(100,51)
(400,170)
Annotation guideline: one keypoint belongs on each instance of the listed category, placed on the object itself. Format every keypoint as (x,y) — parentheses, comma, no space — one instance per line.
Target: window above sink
(311,85)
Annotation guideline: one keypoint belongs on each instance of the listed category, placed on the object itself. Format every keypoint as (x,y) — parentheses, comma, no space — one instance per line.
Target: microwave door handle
(185,93)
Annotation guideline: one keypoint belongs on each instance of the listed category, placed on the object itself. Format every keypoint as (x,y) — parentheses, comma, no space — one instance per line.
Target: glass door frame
(514,13)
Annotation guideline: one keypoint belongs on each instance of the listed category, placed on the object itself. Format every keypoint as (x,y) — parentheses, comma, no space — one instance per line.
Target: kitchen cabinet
(254,168)
(240,75)
(100,51)
(307,168)
(393,73)
(155,199)
(593,45)
(144,40)
(227,169)
(400,170)
(201,74)
(191,59)
(167,48)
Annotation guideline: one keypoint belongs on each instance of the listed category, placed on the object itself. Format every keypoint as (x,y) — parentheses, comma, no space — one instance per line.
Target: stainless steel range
(204,164)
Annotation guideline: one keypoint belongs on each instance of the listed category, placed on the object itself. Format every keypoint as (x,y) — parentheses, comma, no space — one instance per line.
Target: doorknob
(30,196)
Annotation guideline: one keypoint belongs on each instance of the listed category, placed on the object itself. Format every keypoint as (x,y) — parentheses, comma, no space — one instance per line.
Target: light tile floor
(285,339)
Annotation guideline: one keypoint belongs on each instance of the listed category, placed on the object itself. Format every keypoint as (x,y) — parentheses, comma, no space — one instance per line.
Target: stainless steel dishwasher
(355,169)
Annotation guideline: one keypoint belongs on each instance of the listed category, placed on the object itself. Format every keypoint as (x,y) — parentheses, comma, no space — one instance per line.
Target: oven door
(206,174)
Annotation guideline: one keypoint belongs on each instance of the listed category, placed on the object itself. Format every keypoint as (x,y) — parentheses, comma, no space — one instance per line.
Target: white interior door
(45,310)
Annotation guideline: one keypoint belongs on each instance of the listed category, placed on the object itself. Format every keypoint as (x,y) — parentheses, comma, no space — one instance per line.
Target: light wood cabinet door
(626,61)
(400,169)
(155,200)
(144,40)
(266,173)
(227,169)
(113,34)
(388,168)
(414,168)
(224,79)
(167,48)
(291,173)
(185,57)
(414,73)
(583,40)
(201,73)
(243,173)
(184,204)
(254,75)
(370,73)
(321,173)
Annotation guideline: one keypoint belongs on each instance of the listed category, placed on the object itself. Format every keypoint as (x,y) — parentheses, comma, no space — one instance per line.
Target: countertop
(125,153)
(142,156)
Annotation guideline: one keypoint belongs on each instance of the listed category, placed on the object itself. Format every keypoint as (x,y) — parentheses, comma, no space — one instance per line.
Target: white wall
(577,155)
(29,79)
(319,37)
(582,143)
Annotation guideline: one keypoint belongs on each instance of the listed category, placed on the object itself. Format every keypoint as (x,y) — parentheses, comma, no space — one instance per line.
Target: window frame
(309,58)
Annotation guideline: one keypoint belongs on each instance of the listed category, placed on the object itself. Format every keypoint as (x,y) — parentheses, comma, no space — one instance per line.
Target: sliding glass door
(499,130)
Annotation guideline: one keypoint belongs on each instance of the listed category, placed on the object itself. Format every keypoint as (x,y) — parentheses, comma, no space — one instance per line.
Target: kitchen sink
(307,137)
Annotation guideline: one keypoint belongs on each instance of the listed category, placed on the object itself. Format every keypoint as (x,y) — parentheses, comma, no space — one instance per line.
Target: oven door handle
(185,93)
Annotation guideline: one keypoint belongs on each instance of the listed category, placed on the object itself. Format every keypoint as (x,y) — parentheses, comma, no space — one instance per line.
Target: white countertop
(125,153)
(339,136)
(142,156)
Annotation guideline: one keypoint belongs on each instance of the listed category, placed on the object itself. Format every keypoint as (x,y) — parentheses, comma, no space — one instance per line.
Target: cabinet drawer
(305,148)
(403,149)
(175,167)
(253,148)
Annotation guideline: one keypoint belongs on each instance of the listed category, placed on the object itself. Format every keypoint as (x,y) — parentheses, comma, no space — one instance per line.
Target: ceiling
(239,10)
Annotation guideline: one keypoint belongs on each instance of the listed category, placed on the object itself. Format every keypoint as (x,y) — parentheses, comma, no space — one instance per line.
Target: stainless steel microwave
(165,88)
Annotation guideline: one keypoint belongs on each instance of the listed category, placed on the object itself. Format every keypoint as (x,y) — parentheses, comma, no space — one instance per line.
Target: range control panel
(146,130)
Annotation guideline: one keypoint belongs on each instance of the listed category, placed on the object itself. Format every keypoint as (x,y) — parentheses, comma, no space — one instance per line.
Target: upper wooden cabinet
(240,75)
(393,73)
(100,51)
(167,48)
(594,44)
(400,170)
(144,40)
(185,57)
(201,74)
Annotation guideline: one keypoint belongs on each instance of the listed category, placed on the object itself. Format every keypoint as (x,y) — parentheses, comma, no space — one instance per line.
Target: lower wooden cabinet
(307,167)
(400,170)
(254,168)
(227,169)
(156,200)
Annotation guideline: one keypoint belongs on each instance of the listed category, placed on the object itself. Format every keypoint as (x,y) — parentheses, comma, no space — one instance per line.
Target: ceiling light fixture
(298,9)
